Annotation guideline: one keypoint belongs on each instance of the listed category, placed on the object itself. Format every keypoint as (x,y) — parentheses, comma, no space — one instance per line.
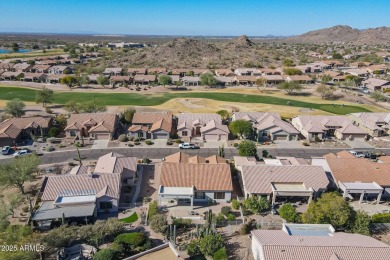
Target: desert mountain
(189,52)
(346,34)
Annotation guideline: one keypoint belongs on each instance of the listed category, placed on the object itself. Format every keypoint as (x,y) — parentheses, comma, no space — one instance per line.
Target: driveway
(359,144)
(288,144)
(100,144)
(214,144)
(159,143)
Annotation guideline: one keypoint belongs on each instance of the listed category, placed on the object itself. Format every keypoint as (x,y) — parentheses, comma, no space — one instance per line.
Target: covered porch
(362,188)
(182,195)
(291,190)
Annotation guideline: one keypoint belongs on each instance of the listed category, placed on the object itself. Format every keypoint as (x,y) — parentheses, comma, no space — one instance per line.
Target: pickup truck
(187,146)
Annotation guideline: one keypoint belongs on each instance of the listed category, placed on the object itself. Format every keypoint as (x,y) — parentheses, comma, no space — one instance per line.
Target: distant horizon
(189,18)
(97,34)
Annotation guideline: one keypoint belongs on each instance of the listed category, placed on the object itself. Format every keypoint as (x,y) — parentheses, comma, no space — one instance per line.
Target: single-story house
(101,126)
(375,124)
(11,75)
(247,72)
(273,79)
(226,81)
(55,78)
(113,72)
(285,160)
(187,183)
(14,129)
(377,69)
(157,70)
(205,126)
(269,71)
(136,71)
(268,126)
(375,84)
(79,195)
(22,67)
(198,72)
(303,79)
(273,181)
(60,70)
(120,79)
(245,80)
(190,80)
(224,73)
(356,72)
(322,127)
(34,77)
(315,241)
(144,79)
(357,177)
(151,125)
(180,72)
(37,68)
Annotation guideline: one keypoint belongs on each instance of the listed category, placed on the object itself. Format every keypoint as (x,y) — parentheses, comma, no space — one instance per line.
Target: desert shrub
(288,212)
(306,144)
(221,254)
(178,141)
(158,223)
(381,218)
(25,209)
(244,229)
(226,210)
(146,160)
(317,139)
(136,139)
(130,138)
(131,239)
(148,142)
(137,143)
(193,248)
(231,217)
(236,145)
(50,149)
(122,138)
(235,204)
(105,254)
(48,110)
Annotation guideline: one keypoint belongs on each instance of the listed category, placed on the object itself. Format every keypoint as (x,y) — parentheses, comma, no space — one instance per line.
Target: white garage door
(280,137)
(102,136)
(212,137)
(160,136)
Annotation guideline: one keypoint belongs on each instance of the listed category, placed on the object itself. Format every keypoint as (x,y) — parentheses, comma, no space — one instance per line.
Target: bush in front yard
(225,210)
(153,209)
(178,141)
(231,217)
(148,142)
(381,218)
(122,138)
(53,132)
(158,223)
(235,204)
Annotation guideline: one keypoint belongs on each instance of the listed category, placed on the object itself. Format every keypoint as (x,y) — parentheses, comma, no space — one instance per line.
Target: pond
(10,51)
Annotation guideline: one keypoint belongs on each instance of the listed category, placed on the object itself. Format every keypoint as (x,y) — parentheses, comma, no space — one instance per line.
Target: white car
(21,153)
(187,146)
(357,154)
(5,150)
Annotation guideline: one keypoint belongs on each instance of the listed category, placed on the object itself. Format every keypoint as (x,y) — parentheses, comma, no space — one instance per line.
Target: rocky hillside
(188,52)
(346,34)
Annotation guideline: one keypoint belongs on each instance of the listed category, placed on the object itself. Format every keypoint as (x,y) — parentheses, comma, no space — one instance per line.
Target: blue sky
(189,17)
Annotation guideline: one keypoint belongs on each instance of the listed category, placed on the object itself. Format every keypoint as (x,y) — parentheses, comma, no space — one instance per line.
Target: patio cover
(48,211)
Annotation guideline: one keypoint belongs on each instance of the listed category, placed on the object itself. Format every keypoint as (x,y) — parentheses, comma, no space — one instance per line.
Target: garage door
(357,137)
(160,136)
(280,137)
(102,136)
(212,137)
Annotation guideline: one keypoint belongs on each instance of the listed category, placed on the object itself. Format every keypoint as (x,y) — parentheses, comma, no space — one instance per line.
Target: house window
(72,133)
(106,205)
(184,133)
(200,195)
(219,195)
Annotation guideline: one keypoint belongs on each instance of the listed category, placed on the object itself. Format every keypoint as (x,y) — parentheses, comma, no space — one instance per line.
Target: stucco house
(151,125)
(323,127)
(268,126)
(58,69)
(375,124)
(113,72)
(101,126)
(13,130)
(191,182)
(204,126)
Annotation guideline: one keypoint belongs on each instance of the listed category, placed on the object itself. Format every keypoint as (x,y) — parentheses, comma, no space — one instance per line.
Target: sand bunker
(189,103)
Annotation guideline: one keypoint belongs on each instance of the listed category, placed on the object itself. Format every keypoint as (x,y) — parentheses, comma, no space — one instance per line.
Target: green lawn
(117,99)
(32,54)
(130,219)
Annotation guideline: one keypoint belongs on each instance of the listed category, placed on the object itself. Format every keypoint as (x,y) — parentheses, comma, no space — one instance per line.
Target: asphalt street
(159,153)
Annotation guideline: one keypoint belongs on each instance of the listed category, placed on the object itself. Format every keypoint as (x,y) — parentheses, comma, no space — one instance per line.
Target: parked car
(187,146)
(21,153)
(357,154)
(6,150)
